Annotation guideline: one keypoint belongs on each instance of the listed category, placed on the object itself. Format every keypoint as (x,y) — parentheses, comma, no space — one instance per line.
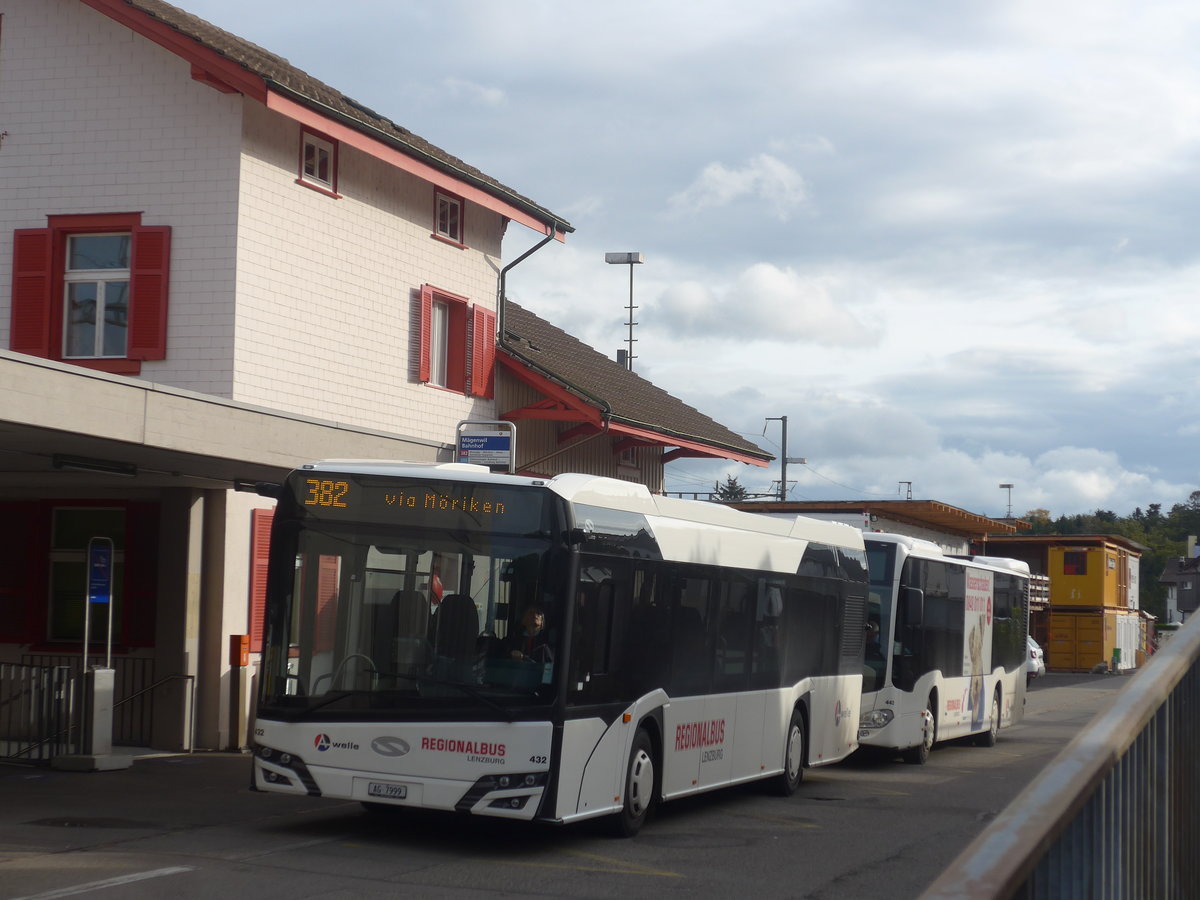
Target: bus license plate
(383,789)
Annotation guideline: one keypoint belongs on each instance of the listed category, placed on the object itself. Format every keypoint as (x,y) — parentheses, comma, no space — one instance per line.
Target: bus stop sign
(100,567)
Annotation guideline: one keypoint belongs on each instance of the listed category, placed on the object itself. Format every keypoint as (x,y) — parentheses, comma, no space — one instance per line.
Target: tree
(729,492)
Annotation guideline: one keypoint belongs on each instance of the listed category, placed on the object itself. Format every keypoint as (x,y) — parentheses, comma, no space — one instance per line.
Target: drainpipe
(502,340)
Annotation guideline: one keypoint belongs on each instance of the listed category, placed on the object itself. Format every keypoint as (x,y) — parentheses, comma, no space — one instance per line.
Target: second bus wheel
(639,786)
(793,756)
(988,738)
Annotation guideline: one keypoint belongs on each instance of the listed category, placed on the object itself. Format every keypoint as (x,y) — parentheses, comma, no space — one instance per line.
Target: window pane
(68,585)
(73,528)
(116,317)
(98,251)
(81,319)
(439,335)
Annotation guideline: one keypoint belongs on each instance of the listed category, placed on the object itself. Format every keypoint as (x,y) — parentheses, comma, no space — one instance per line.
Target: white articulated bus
(945,653)
(554,649)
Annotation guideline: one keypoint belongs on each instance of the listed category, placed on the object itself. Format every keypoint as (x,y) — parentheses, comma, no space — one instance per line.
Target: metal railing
(36,713)
(1116,814)
(191,681)
(132,721)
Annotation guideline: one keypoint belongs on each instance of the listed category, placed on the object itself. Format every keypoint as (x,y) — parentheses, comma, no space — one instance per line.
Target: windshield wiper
(418,680)
(324,701)
(472,692)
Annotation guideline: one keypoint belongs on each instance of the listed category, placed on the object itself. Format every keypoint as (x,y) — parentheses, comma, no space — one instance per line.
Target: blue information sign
(100,566)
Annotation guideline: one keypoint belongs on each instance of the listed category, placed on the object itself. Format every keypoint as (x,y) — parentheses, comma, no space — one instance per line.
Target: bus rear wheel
(639,786)
(919,755)
(988,738)
(793,756)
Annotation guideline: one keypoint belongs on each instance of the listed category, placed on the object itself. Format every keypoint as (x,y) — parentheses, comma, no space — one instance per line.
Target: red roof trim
(584,412)
(684,447)
(381,151)
(216,67)
(591,415)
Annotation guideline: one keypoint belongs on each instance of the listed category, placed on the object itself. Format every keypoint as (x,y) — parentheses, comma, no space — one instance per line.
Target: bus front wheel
(639,786)
(793,756)
(988,738)
(919,755)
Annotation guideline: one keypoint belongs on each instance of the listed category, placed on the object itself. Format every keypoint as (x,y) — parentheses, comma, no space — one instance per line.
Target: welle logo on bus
(450,504)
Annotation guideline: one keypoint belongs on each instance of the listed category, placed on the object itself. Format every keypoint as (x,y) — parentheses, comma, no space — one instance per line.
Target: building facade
(215,268)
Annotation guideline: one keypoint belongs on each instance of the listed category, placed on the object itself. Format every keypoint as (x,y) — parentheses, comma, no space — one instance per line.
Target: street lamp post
(627,259)
(1008,487)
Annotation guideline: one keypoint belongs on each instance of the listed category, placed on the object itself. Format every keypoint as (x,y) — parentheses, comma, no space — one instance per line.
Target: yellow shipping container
(1081,639)
(1088,576)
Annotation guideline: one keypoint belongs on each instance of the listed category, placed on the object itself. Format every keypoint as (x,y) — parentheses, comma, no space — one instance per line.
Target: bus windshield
(391,621)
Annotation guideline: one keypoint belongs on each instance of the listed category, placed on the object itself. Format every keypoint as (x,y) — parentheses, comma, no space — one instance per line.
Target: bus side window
(768,613)
(690,666)
(647,641)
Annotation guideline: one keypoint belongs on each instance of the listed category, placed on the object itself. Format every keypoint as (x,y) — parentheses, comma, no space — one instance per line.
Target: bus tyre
(639,786)
(919,755)
(793,756)
(988,738)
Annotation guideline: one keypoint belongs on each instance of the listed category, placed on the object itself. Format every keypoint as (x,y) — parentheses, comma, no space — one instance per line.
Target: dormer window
(448,218)
(318,162)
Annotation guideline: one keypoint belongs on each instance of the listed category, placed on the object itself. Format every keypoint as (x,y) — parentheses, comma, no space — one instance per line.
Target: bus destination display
(435,504)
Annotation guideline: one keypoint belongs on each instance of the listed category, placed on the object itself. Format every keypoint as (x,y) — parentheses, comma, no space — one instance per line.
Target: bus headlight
(876,718)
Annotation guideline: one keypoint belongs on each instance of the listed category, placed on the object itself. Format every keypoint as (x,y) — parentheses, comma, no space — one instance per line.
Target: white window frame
(320,145)
(101,278)
(448,202)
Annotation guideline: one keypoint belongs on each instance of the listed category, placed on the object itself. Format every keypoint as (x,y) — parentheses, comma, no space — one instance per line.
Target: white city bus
(686,646)
(945,647)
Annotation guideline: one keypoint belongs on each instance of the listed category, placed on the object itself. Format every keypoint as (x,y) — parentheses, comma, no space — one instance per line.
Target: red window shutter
(260,547)
(426,332)
(32,262)
(325,637)
(149,274)
(483,351)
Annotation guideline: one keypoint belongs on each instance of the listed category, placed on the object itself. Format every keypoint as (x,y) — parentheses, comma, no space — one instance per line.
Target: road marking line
(616,866)
(107,882)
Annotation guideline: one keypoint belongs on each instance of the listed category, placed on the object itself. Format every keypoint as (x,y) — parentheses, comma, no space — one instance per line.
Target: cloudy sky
(955,244)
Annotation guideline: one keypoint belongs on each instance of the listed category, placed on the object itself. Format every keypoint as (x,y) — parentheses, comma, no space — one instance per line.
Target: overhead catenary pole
(630,259)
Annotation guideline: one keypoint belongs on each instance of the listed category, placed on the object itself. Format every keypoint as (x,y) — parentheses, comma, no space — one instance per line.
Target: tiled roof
(281,75)
(632,399)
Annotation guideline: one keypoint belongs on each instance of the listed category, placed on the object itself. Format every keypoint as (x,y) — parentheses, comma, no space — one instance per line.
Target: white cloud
(766,303)
(483,95)
(764,177)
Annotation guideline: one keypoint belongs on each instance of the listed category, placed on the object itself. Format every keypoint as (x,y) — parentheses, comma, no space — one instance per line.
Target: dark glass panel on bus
(929,621)
(615,532)
(409,619)
(642,625)
(1010,621)
(881,567)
